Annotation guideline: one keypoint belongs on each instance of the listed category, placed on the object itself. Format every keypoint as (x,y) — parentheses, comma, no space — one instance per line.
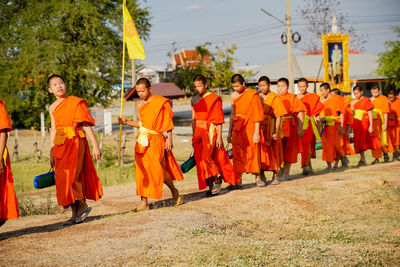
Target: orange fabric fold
(271,150)
(332,141)
(73,112)
(380,103)
(210,161)
(152,162)
(8,199)
(246,154)
(393,129)
(308,142)
(348,121)
(291,143)
(362,139)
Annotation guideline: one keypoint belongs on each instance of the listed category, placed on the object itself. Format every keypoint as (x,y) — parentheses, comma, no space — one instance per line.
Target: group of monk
(267,131)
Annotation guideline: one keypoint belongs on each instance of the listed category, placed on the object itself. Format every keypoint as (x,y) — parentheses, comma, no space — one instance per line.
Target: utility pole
(289,46)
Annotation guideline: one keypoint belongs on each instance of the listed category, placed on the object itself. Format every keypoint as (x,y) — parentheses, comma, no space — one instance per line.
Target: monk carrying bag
(188,164)
(44,180)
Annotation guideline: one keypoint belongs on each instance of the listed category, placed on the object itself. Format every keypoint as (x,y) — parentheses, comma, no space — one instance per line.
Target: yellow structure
(335,48)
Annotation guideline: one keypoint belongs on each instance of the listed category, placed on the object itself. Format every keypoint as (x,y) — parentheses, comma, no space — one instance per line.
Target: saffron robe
(210,161)
(308,141)
(291,143)
(271,150)
(393,130)
(348,121)
(332,141)
(362,139)
(71,153)
(8,199)
(246,154)
(153,162)
(381,107)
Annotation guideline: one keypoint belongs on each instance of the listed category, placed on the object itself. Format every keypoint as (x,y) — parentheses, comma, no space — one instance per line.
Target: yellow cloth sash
(211,132)
(330,120)
(142,139)
(375,113)
(286,117)
(359,113)
(62,133)
(313,125)
(5,156)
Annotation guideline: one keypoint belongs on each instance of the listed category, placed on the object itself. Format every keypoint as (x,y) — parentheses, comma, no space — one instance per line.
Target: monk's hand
(51,158)
(341,130)
(300,132)
(256,138)
(384,127)
(219,143)
(168,144)
(229,138)
(122,120)
(370,129)
(1,165)
(96,153)
(274,136)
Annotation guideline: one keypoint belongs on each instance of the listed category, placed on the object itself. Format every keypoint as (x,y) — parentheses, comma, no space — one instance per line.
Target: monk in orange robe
(8,200)
(333,118)
(155,163)
(292,126)
(209,152)
(348,121)
(244,129)
(393,129)
(380,116)
(362,126)
(75,175)
(271,141)
(311,133)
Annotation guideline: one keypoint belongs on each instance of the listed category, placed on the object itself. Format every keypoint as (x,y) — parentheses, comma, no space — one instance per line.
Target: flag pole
(122,102)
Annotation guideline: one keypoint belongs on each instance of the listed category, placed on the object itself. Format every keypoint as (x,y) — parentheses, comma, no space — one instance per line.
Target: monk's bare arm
(123,120)
(370,118)
(193,121)
(219,143)
(168,142)
(229,138)
(96,151)
(341,128)
(52,134)
(277,128)
(300,118)
(256,136)
(3,141)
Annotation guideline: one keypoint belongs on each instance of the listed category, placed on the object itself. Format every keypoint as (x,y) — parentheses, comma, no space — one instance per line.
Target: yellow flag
(131,36)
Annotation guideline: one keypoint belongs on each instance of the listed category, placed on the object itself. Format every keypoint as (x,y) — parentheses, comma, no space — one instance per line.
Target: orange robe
(210,161)
(332,141)
(393,130)
(271,150)
(381,107)
(8,200)
(308,141)
(291,143)
(348,121)
(246,154)
(362,139)
(75,174)
(152,161)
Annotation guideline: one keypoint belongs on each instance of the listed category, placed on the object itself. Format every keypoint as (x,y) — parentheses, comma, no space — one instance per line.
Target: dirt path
(347,217)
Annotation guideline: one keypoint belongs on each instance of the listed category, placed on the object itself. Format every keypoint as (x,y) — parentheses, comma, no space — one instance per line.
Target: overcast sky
(190,23)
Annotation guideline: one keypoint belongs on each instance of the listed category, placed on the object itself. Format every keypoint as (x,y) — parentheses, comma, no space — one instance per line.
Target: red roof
(168,90)
(190,58)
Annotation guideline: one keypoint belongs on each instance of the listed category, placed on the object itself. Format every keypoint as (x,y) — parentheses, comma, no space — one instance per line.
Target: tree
(80,40)
(389,61)
(318,15)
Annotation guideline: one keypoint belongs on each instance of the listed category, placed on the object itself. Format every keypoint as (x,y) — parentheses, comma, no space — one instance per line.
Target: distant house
(155,73)
(188,59)
(168,90)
